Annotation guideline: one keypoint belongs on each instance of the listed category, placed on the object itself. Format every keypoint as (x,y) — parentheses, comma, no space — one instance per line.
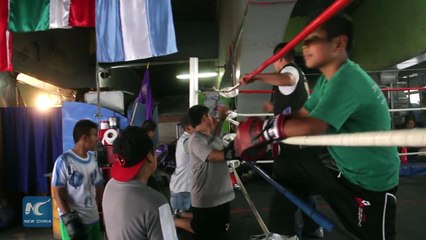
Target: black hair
(289,56)
(82,128)
(196,113)
(340,24)
(185,121)
(149,125)
(408,118)
(133,144)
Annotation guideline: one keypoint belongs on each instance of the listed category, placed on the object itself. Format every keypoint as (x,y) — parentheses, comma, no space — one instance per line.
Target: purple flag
(145,95)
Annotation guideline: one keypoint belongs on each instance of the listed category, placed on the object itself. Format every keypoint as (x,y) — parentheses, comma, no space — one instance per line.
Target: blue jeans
(180,201)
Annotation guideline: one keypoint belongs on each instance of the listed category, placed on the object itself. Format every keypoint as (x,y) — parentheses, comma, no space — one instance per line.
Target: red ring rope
(318,21)
(383,89)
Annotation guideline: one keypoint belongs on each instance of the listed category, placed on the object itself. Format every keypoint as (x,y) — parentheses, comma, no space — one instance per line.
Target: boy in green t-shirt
(345,100)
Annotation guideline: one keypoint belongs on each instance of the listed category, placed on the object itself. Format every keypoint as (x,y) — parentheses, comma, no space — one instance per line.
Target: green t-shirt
(352,102)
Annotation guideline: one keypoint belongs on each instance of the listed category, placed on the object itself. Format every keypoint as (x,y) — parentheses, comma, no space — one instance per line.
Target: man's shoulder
(64,157)
(153,198)
(351,67)
(196,136)
(291,67)
(145,195)
(184,137)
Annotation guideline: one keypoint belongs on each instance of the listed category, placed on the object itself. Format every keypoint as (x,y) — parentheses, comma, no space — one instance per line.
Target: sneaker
(276,236)
(273,236)
(316,234)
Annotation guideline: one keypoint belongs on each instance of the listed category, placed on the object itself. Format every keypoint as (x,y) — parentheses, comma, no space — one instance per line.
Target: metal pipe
(250,202)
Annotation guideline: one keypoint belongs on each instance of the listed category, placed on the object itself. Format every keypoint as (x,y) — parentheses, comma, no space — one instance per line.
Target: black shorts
(366,214)
(282,217)
(211,223)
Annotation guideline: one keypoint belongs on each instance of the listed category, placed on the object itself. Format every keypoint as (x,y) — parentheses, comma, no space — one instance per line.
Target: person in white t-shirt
(181,179)
(78,184)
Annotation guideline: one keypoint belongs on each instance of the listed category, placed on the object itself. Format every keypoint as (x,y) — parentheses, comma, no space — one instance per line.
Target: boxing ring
(400,138)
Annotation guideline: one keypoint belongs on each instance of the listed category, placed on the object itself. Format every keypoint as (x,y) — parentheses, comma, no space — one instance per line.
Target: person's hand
(243,80)
(268,107)
(222,111)
(254,134)
(74,226)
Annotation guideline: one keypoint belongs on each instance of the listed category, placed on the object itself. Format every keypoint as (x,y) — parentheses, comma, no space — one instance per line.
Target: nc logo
(36,211)
(35,208)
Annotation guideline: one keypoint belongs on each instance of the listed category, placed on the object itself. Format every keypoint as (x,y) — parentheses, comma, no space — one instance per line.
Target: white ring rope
(406,109)
(271,114)
(403,138)
(232,121)
(265,161)
(400,154)
(255,114)
(412,153)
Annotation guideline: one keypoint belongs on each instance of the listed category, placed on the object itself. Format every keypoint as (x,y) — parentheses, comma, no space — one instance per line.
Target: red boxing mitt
(254,134)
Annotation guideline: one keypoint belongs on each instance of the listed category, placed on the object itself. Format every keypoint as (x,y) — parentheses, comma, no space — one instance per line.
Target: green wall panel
(388,32)
(295,25)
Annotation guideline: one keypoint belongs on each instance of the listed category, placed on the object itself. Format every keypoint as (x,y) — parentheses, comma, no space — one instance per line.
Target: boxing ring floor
(411,212)
(411,209)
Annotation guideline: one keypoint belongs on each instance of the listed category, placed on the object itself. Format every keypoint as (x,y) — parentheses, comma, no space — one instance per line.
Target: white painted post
(193,81)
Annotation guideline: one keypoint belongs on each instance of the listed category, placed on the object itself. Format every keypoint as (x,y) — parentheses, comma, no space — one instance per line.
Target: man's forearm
(61,200)
(276,79)
(99,194)
(218,126)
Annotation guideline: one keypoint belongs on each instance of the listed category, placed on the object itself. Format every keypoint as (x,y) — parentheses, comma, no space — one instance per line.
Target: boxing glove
(254,134)
(74,226)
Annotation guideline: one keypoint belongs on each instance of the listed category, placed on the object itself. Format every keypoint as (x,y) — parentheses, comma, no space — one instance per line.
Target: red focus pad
(250,144)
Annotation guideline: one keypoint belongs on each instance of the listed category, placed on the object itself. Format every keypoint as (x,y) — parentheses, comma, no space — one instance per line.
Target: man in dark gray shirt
(212,190)
(131,209)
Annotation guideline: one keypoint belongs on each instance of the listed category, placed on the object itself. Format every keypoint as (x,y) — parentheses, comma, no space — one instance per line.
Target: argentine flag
(129,30)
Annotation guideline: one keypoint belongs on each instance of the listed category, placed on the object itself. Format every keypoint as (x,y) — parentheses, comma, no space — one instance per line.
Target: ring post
(193,81)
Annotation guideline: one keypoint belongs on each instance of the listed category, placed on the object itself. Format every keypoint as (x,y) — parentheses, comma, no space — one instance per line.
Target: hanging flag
(5,39)
(145,95)
(134,29)
(40,15)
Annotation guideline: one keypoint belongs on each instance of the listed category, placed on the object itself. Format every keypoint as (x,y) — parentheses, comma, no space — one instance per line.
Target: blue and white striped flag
(129,30)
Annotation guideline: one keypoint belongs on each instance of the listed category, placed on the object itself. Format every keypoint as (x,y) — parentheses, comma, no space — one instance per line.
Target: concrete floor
(411,213)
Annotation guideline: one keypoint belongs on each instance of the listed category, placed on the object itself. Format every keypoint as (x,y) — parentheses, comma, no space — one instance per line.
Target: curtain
(32,142)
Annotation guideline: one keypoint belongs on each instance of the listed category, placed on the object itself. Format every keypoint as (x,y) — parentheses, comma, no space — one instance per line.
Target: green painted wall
(387,32)
(295,25)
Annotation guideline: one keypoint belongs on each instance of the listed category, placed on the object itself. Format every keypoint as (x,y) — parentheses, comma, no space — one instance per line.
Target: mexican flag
(40,15)
(5,39)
